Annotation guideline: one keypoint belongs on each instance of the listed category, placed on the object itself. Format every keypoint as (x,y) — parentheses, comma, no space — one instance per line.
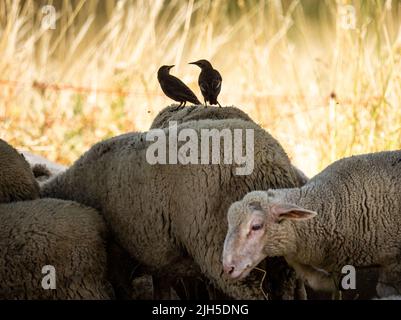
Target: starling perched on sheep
(174,88)
(209,81)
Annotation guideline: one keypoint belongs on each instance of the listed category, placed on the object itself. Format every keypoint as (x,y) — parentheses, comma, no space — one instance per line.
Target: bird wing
(216,85)
(210,83)
(182,90)
(204,87)
(217,81)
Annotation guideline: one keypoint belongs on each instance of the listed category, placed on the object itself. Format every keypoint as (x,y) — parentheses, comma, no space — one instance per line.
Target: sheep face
(259,227)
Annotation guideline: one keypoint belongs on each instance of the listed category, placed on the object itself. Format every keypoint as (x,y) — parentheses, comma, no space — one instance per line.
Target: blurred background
(323,77)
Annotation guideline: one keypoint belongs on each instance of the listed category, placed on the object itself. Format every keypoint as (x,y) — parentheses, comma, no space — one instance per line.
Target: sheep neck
(311,237)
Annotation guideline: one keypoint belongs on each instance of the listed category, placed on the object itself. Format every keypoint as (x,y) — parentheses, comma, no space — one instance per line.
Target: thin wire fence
(322,103)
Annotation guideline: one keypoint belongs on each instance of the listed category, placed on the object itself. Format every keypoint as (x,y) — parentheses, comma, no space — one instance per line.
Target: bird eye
(257,227)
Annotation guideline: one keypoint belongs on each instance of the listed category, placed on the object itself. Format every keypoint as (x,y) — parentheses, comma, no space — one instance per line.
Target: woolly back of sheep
(60,234)
(192,113)
(182,114)
(172,217)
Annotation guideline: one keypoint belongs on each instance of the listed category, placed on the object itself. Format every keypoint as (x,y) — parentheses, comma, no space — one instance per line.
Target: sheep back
(59,233)
(165,214)
(17,181)
(192,113)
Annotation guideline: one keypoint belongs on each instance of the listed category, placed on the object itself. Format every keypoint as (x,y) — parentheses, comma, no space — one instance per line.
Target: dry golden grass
(280,61)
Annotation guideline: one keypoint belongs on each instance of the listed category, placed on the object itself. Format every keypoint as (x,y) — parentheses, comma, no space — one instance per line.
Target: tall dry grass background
(280,61)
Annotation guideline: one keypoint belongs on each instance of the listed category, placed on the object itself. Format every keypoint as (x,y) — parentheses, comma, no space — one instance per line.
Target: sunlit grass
(280,61)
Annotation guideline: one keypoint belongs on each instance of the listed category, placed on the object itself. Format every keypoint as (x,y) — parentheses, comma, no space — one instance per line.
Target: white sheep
(42,168)
(16,179)
(182,114)
(36,233)
(63,234)
(171,218)
(349,214)
(33,159)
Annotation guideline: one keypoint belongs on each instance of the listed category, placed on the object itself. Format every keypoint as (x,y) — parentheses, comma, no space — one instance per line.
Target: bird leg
(184,103)
(205,104)
(180,104)
(219,104)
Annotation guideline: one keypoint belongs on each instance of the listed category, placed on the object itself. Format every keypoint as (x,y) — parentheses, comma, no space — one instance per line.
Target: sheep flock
(131,220)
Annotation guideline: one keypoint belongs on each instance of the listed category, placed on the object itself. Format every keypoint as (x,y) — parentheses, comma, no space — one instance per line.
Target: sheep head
(259,226)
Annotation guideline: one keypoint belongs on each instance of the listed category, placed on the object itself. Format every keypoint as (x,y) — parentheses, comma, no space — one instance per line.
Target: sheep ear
(283,211)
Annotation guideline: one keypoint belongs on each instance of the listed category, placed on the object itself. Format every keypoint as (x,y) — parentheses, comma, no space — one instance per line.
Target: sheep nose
(229,269)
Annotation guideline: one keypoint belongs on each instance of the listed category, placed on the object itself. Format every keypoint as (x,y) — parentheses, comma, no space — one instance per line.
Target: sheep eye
(256,227)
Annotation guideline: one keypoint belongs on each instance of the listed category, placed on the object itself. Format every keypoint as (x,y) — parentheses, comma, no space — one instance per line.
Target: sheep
(46,232)
(33,159)
(42,168)
(63,234)
(182,114)
(349,214)
(41,173)
(171,218)
(17,182)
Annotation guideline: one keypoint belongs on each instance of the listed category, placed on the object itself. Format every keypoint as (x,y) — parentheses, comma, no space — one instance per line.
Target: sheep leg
(120,269)
(216,294)
(300,291)
(191,288)
(201,291)
(188,283)
(180,287)
(317,279)
(281,280)
(161,288)
(336,295)
(389,283)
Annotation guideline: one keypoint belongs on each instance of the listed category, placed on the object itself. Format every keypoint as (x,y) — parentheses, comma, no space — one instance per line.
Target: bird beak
(195,63)
(172,66)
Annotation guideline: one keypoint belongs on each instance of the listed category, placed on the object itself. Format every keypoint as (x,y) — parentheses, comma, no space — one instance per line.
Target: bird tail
(196,101)
(213,101)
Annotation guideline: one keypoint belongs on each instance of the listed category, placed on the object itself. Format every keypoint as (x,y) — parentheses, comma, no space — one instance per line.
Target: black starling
(174,88)
(209,81)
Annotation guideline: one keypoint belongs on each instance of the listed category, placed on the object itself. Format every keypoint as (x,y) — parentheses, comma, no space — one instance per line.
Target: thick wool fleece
(358,221)
(172,218)
(59,233)
(17,182)
(194,113)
